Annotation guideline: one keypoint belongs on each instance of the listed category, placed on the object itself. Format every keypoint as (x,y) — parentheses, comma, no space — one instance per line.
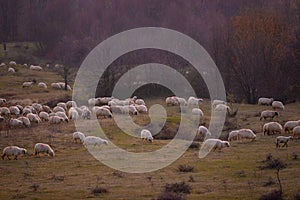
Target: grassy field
(74,173)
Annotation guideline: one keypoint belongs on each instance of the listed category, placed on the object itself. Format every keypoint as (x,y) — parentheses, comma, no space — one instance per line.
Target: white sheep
(289,125)
(272,128)
(78,136)
(141,108)
(20,108)
(35,68)
(14,110)
(95,141)
(37,107)
(284,140)
(14,123)
(4,111)
(44,116)
(12,63)
(197,111)
(217,102)
(246,134)
(13,151)
(55,119)
(46,109)
(140,102)
(277,105)
(265,101)
(146,135)
(27,84)
(296,131)
(268,114)
(233,135)
(193,101)
(105,100)
(33,118)
(222,108)
(2,101)
(63,105)
(73,114)
(62,86)
(172,101)
(42,85)
(55,86)
(203,131)
(86,113)
(70,104)
(215,144)
(2,65)
(43,148)
(11,70)
(58,109)
(26,110)
(103,112)
(132,110)
(63,115)
(182,101)
(25,121)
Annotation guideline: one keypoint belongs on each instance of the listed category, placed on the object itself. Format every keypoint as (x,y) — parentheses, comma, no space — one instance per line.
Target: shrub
(99,190)
(273,195)
(180,187)
(297,196)
(170,196)
(185,168)
(269,182)
(194,145)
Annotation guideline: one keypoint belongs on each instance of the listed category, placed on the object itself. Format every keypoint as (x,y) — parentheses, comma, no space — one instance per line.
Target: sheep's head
(227,144)
(105,142)
(276,113)
(51,153)
(291,137)
(24,151)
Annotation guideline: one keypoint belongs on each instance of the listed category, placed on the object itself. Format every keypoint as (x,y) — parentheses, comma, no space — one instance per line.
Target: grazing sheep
(26,110)
(277,105)
(296,131)
(13,151)
(46,109)
(181,101)
(105,100)
(55,86)
(95,141)
(203,131)
(93,102)
(14,123)
(265,101)
(55,119)
(2,65)
(73,114)
(2,101)
(140,102)
(35,68)
(20,108)
(33,118)
(272,128)
(44,116)
(172,101)
(103,112)
(193,101)
(233,135)
(4,111)
(268,114)
(62,86)
(63,115)
(197,111)
(289,125)
(63,105)
(27,84)
(11,70)
(86,113)
(70,104)
(42,85)
(14,110)
(43,148)
(215,144)
(37,107)
(132,110)
(217,102)
(222,107)
(141,108)
(146,135)
(246,133)
(78,136)
(58,109)
(25,121)
(12,63)
(284,140)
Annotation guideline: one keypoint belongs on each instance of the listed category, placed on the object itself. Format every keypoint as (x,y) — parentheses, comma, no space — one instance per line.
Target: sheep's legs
(16,158)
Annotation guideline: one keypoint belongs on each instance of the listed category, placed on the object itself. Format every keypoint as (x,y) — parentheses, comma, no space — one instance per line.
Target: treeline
(255,44)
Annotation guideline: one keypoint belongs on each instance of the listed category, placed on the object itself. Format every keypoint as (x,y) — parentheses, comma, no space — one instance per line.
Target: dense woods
(255,44)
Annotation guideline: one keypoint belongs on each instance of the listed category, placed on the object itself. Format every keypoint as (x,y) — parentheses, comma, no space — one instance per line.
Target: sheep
(27,84)
(246,133)
(272,128)
(2,65)
(93,101)
(268,114)
(13,151)
(296,131)
(132,110)
(35,68)
(215,144)
(20,108)
(37,107)
(62,86)
(173,101)
(25,121)
(146,135)
(55,86)
(14,110)
(86,113)
(197,111)
(120,109)
(55,120)
(233,135)
(265,101)
(14,123)
(12,63)
(46,109)
(43,148)
(2,101)
(44,116)
(217,102)
(289,125)
(33,118)
(141,108)
(70,104)
(11,70)
(103,112)
(42,85)
(73,114)
(95,141)
(4,111)
(63,105)
(58,109)
(203,131)
(222,107)
(78,136)
(193,101)
(181,101)
(140,102)
(105,100)
(283,139)
(277,105)
(63,115)
(26,110)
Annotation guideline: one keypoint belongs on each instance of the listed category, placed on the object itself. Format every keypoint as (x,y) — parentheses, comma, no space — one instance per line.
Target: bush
(269,182)
(273,163)
(194,145)
(180,187)
(170,196)
(99,190)
(273,195)
(297,196)
(185,168)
